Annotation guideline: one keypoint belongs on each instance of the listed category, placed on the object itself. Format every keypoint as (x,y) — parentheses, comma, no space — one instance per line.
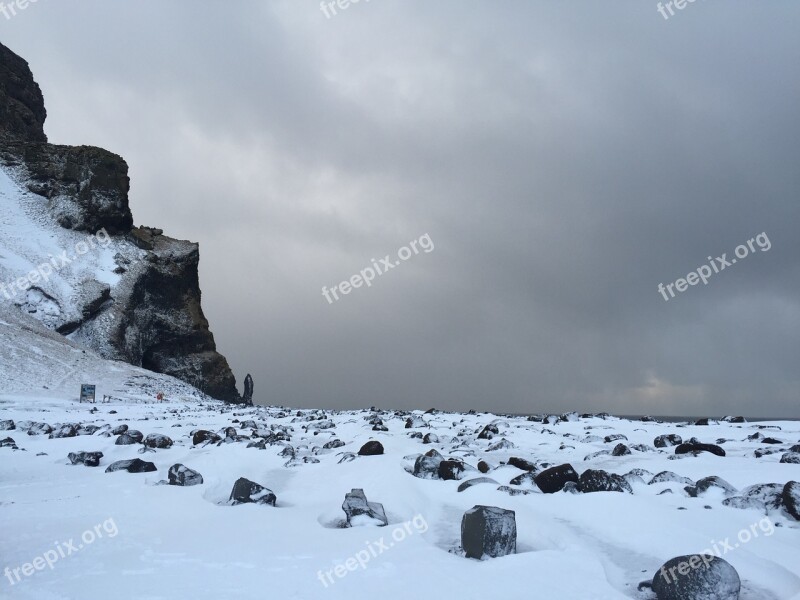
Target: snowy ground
(159,541)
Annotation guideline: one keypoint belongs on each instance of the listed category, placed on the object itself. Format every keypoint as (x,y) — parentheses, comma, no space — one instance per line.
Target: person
(160,396)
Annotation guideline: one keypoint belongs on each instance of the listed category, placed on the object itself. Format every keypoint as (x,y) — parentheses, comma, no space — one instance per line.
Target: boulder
(553,479)
(667,440)
(791,499)
(697,577)
(157,440)
(371,448)
(136,465)
(7,425)
(669,476)
(202,436)
(119,429)
(523,464)
(8,443)
(710,483)
(333,444)
(697,447)
(620,450)
(430,438)
(503,444)
(614,437)
(483,466)
(247,492)
(488,532)
(183,476)
(88,459)
(426,465)
(593,480)
(488,432)
(65,431)
(792,458)
(361,512)
(129,438)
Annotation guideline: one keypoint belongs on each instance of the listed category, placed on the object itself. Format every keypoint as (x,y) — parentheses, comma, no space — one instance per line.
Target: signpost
(87,393)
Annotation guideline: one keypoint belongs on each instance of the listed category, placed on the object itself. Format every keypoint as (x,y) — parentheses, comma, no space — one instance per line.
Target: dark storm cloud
(564,158)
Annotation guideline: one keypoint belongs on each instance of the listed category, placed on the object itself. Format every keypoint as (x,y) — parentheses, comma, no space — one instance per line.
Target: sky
(554,163)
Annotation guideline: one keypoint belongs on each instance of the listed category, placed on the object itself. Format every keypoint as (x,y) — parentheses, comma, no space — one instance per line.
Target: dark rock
(333,444)
(521,463)
(791,499)
(483,466)
(158,440)
(183,476)
(614,437)
(620,450)
(488,532)
(129,438)
(371,448)
(247,397)
(119,430)
(8,443)
(697,577)
(696,447)
(415,421)
(553,479)
(792,458)
(701,422)
(665,441)
(427,465)
(430,438)
(88,459)
(202,436)
(767,496)
(477,481)
(708,483)
(527,479)
(488,432)
(65,431)
(37,428)
(246,491)
(451,469)
(7,425)
(260,444)
(503,444)
(593,480)
(136,465)
(361,512)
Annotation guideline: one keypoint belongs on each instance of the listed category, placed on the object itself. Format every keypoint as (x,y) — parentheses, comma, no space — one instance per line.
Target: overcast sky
(565,158)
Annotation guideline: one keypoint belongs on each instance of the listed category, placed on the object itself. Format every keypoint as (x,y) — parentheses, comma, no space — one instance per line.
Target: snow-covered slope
(161,541)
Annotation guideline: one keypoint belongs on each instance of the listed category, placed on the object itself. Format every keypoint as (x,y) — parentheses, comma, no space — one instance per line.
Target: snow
(175,542)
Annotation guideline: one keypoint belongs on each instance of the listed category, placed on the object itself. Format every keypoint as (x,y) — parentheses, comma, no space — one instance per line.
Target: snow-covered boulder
(488,532)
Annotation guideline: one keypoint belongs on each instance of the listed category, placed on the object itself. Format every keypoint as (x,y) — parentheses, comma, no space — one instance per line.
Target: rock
(521,463)
(371,448)
(701,422)
(554,478)
(571,488)
(136,465)
(697,447)
(483,466)
(246,491)
(451,469)
(37,429)
(7,425)
(734,420)
(709,483)
(8,443)
(261,444)
(430,438)
(503,444)
(488,532)
(426,465)
(667,440)
(129,438)
(157,440)
(488,432)
(697,577)
(477,481)
(764,496)
(791,458)
(202,436)
(614,437)
(669,476)
(771,440)
(791,499)
(593,480)
(415,422)
(65,431)
(333,444)
(620,450)
(119,430)
(247,397)
(360,512)
(88,459)
(527,479)
(183,476)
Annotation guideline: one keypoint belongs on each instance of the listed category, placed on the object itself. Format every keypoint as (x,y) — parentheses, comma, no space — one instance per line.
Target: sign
(87,393)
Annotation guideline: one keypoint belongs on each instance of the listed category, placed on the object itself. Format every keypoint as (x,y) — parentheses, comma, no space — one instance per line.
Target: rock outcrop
(152,317)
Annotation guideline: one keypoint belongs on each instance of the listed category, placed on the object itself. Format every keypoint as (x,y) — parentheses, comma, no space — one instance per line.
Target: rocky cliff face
(149,313)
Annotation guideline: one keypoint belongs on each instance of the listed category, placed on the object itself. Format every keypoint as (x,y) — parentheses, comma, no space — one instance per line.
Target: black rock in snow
(157,440)
(371,448)
(553,479)
(333,444)
(792,458)
(129,438)
(247,398)
(451,469)
(65,431)
(136,465)
(488,432)
(521,463)
(696,447)
(665,441)
(708,483)
(791,499)
(620,450)
(246,492)
(88,459)
(488,532)
(183,476)
(201,436)
(119,430)
(360,511)
(593,480)
(697,577)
